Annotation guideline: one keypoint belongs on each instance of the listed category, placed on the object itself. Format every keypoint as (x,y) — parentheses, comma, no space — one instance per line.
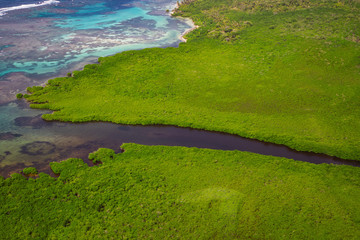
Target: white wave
(24,6)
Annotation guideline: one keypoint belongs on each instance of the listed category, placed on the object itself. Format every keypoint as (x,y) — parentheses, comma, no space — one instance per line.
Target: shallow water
(50,40)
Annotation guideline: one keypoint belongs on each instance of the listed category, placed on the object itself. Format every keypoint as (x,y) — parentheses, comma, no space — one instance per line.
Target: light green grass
(157,192)
(288,75)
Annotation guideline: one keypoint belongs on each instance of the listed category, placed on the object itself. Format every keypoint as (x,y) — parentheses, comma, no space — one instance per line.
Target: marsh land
(280,71)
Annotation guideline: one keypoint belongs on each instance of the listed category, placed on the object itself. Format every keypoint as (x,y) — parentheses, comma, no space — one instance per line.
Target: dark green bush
(30,171)
(101,154)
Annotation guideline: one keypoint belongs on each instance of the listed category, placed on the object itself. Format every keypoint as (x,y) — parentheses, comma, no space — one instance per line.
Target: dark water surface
(55,141)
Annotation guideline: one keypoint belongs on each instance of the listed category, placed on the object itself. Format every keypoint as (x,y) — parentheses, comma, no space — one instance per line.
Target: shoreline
(182,36)
(188,21)
(9,90)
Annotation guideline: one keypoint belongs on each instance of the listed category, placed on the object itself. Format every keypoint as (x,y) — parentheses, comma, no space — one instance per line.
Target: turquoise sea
(47,39)
(55,36)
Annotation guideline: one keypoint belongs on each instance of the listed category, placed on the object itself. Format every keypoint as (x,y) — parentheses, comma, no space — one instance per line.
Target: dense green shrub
(101,154)
(30,171)
(157,192)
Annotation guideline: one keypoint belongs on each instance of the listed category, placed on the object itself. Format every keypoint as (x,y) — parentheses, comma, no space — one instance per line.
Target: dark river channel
(55,141)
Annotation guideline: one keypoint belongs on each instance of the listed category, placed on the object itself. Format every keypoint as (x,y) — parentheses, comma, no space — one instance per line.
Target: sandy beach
(187,20)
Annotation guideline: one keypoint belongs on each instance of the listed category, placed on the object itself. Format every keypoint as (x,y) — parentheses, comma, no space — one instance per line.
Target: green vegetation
(30,171)
(275,70)
(33,89)
(157,192)
(19,95)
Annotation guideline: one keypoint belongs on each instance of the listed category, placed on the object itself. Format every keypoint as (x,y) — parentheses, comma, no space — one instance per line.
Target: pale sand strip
(189,21)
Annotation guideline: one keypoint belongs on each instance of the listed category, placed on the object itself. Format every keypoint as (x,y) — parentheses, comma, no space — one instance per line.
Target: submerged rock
(35,122)
(9,136)
(38,148)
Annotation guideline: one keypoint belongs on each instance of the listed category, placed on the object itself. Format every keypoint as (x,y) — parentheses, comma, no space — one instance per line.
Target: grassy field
(157,192)
(275,70)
